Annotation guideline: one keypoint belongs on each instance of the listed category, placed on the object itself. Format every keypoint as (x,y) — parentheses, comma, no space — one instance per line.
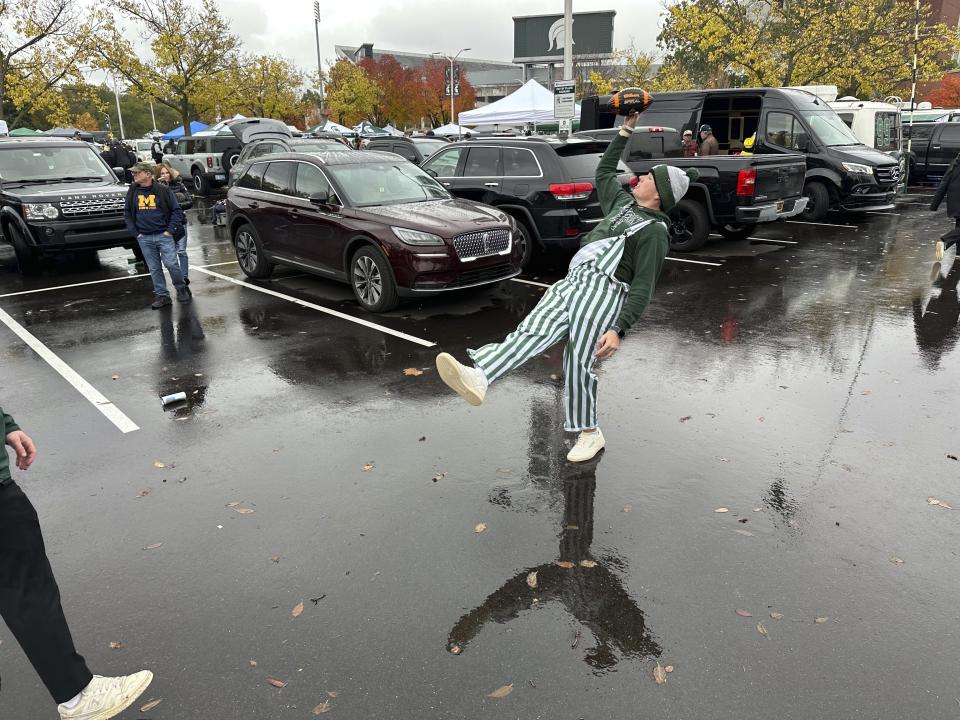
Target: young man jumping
(607,288)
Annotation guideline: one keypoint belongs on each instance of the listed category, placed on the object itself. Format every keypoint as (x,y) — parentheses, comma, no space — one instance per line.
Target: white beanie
(672,183)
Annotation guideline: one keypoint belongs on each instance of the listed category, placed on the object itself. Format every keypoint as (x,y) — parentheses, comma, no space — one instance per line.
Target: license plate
(780,206)
(224,177)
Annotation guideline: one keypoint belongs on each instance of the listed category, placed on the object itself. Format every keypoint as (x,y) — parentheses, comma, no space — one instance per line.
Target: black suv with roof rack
(414,149)
(544,182)
(58,195)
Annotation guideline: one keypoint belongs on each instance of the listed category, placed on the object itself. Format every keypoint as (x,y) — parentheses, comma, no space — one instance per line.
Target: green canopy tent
(25,132)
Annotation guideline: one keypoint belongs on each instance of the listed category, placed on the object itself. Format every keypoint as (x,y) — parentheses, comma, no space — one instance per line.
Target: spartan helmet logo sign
(556,35)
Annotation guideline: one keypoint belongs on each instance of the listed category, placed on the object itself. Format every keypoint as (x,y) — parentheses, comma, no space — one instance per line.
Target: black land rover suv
(58,196)
(544,182)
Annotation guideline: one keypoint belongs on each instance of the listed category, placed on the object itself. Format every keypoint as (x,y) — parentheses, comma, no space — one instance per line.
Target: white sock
(482,374)
(72,702)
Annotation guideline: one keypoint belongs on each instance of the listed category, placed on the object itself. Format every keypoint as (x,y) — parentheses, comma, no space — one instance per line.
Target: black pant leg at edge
(30,599)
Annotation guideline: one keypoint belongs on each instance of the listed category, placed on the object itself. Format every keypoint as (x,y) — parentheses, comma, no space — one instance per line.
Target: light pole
(316,28)
(452,60)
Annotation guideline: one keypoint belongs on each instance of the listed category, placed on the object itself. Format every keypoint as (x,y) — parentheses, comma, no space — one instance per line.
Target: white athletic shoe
(468,382)
(588,445)
(107,697)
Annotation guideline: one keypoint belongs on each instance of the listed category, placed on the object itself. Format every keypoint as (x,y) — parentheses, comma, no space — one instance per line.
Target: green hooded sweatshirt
(644,251)
(7,425)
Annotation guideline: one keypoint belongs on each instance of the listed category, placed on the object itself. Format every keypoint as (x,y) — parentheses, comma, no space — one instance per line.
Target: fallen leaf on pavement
(480,527)
(412,372)
(297,610)
(151,705)
(743,613)
(332,693)
(685,418)
(322,708)
(115,645)
(897,561)
(423,439)
(659,674)
(154,546)
(439,476)
(627,508)
(745,533)
(367,467)
(762,630)
(143,493)
(454,649)
(776,615)
(276,558)
(245,511)
(722,510)
(501,692)
(277,683)
(669,668)
(114,377)
(952,457)
(588,563)
(253,663)
(158,464)
(941,503)
(565,564)
(532,580)
(233,504)
(821,620)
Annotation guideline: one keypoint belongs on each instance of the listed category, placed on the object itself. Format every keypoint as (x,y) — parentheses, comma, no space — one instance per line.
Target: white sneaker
(468,382)
(107,697)
(588,445)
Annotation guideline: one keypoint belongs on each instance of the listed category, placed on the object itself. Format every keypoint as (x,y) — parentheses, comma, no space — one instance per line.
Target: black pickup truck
(58,196)
(733,193)
(933,146)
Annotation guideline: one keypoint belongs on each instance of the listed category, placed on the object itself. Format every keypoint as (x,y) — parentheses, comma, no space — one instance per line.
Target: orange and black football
(629,100)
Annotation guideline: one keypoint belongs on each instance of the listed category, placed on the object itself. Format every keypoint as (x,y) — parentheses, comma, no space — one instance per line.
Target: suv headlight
(857,168)
(40,211)
(416,237)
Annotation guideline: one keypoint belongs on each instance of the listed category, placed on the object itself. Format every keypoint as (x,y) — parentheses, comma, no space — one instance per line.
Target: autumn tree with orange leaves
(947,93)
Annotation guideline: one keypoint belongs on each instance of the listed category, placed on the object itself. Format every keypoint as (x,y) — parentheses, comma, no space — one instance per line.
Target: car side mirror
(431,172)
(119,172)
(322,198)
(803,143)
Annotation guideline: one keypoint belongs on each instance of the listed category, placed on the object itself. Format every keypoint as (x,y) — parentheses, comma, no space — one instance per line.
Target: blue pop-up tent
(195,127)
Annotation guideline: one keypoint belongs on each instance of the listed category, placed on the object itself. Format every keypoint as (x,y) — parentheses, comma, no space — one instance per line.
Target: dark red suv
(371,219)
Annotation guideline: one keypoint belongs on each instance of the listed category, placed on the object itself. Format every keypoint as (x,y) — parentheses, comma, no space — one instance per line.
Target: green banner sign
(540,38)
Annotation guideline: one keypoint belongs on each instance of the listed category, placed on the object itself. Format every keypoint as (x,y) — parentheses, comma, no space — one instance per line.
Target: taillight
(571,191)
(746,181)
(209,161)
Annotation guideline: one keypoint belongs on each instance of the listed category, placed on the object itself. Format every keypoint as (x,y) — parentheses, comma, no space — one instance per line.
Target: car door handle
(254,204)
(492,184)
(293,213)
(935,147)
(446,184)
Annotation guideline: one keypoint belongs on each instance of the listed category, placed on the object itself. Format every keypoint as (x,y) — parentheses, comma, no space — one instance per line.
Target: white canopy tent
(221,127)
(451,129)
(393,131)
(531,103)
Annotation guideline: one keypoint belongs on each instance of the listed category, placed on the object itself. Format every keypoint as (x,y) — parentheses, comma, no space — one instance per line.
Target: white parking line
(101,403)
(319,308)
(64,287)
(530,282)
(695,262)
(773,240)
(804,222)
(229,262)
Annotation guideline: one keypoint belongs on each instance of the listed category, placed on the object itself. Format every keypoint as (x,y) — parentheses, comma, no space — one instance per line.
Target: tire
(818,202)
(250,254)
(229,159)
(372,280)
(201,184)
(737,232)
(525,237)
(28,260)
(690,226)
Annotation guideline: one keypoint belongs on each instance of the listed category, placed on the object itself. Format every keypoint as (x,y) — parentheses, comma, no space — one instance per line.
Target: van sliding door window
(780,130)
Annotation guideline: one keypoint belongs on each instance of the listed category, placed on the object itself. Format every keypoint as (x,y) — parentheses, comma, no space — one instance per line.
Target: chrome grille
(481,244)
(887,174)
(92,208)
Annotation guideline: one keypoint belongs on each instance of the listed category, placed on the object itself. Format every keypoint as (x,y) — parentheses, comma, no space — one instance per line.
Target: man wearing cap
(689,144)
(154,217)
(708,143)
(607,288)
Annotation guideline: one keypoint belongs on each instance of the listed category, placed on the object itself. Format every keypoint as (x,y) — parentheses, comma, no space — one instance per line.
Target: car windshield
(429,147)
(386,183)
(829,128)
(52,164)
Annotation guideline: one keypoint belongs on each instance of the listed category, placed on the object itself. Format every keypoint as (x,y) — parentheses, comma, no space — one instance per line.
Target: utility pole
(913,91)
(452,85)
(316,28)
(116,94)
(153,117)
(567,56)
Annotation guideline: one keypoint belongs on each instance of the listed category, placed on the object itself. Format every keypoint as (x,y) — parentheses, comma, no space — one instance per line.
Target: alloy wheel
(247,252)
(367,280)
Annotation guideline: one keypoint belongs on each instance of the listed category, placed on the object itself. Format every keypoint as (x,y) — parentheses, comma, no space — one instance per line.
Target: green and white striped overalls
(581,307)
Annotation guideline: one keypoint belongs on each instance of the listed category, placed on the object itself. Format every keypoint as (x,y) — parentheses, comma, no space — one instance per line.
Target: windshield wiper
(72,178)
(32,181)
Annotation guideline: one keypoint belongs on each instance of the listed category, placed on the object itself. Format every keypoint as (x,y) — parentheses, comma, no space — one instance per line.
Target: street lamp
(316,28)
(452,59)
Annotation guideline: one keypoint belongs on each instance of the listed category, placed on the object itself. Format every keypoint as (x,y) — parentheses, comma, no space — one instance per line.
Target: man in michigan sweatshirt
(607,288)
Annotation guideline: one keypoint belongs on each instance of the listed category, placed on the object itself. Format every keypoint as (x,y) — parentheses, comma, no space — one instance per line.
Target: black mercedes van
(842,173)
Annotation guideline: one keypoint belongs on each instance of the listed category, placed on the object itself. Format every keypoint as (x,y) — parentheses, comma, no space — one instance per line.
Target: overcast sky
(285,27)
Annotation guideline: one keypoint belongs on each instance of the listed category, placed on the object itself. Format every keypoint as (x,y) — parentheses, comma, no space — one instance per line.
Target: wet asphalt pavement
(809,388)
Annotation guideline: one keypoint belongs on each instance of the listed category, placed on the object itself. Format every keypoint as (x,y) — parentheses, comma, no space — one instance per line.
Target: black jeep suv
(58,196)
(544,182)
(416,150)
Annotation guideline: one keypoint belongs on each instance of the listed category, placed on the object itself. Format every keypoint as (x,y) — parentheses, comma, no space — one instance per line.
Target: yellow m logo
(147,202)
